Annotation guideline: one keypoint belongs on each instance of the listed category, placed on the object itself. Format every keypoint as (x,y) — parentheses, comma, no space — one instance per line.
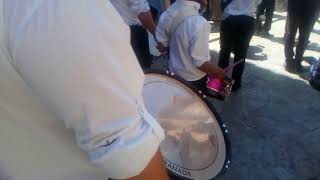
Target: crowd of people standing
(240,19)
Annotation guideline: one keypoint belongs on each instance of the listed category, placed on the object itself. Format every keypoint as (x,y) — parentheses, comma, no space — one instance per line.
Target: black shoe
(289,66)
(236,86)
(298,67)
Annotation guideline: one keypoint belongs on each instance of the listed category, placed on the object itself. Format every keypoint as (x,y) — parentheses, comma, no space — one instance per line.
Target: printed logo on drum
(177,169)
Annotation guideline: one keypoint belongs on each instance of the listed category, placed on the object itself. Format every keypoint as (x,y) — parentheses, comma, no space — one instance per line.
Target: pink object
(214,83)
(231,66)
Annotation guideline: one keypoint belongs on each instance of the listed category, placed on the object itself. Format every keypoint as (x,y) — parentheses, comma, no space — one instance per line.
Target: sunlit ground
(269,53)
(274,119)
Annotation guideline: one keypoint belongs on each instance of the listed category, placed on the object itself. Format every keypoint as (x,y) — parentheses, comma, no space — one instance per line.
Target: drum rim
(203,97)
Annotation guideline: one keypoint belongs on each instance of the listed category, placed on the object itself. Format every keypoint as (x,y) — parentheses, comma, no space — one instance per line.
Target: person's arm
(155,170)
(162,34)
(161,48)
(146,19)
(211,69)
(77,76)
(200,53)
(142,9)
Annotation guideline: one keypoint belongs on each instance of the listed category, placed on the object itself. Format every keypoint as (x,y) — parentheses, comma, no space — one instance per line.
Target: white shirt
(76,56)
(241,7)
(130,9)
(189,46)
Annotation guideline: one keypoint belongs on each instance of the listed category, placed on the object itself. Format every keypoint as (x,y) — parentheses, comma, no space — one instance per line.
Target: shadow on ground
(256,53)
(279,40)
(275,128)
(278,17)
(317,31)
(312,46)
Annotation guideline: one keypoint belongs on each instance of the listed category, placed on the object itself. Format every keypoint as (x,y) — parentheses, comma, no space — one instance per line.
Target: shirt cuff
(130,154)
(139,7)
(200,62)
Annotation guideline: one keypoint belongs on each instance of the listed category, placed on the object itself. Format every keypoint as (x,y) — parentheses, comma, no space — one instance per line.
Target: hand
(220,73)
(211,69)
(161,48)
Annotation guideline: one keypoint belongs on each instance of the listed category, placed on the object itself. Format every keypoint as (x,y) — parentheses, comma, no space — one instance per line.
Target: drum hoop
(203,97)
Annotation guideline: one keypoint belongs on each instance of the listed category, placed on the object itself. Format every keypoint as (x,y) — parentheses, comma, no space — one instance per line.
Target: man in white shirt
(237,29)
(75,55)
(187,34)
(137,15)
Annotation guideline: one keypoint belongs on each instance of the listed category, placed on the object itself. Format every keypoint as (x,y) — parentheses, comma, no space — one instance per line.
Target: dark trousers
(302,17)
(235,33)
(267,7)
(140,45)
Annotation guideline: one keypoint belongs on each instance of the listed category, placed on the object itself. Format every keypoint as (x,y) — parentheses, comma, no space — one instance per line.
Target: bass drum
(196,144)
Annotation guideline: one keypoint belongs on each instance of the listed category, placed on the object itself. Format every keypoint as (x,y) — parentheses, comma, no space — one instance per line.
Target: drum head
(196,145)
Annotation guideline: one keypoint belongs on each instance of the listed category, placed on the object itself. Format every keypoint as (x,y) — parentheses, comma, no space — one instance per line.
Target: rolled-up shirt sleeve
(128,155)
(199,48)
(163,29)
(79,61)
(138,6)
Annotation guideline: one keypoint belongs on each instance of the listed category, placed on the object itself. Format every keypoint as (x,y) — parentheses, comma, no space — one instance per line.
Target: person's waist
(132,21)
(187,75)
(227,14)
(136,26)
(249,16)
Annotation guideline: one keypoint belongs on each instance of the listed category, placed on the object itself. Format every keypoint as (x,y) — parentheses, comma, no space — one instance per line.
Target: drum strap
(184,14)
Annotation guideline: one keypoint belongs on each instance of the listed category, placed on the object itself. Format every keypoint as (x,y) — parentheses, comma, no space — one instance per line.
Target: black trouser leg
(270,7)
(226,41)
(292,27)
(260,12)
(245,30)
(305,30)
(140,45)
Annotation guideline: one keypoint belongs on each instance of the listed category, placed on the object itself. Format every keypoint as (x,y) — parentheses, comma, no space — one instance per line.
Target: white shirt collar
(196,5)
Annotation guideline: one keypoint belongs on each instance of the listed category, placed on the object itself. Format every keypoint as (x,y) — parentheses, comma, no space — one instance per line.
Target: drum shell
(203,98)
